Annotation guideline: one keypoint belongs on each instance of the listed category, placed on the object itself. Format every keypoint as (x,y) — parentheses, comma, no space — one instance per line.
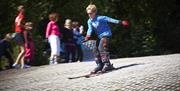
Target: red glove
(125,23)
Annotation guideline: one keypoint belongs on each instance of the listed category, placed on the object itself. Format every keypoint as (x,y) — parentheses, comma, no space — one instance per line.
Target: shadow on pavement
(89,75)
(126,66)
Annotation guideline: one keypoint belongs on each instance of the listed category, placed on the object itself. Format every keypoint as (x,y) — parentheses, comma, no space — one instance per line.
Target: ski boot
(99,66)
(106,61)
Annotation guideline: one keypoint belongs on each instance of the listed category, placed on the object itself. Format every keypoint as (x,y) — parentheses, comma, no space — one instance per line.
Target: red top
(18,20)
(52,29)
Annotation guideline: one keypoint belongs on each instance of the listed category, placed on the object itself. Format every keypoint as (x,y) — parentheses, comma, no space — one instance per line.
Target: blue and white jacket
(100,26)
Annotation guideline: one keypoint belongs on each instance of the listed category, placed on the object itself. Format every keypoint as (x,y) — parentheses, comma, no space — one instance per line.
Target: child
(99,24)
(6,49)
(78,38)
(53,36)
(29,44)
(68,39)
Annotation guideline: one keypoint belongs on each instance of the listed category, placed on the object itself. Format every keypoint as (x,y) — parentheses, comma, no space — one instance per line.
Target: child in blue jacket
(99,25)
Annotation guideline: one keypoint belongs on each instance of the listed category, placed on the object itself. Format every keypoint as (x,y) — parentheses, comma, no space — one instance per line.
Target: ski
(86,75)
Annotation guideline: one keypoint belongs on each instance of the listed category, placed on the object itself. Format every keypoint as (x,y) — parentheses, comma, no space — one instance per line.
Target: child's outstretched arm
(121,22)
(89,32)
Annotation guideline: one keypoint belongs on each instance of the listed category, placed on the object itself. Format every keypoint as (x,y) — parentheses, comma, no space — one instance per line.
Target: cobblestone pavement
(153,73)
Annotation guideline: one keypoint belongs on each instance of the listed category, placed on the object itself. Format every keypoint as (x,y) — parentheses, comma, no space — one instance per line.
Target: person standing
(18,36)
(99,25)
(53,36)
(77,30)
(29,44)
(69,41)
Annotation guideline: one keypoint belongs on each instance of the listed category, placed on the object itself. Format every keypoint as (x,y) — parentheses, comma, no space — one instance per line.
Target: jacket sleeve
(111,20)
(90,30)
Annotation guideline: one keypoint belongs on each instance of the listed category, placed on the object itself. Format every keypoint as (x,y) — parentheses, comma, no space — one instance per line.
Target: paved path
(153,73)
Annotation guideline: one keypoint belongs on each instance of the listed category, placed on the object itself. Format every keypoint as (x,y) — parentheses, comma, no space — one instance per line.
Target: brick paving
(153,73)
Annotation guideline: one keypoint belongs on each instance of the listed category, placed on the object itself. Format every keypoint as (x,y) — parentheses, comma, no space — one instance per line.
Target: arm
(26,38)
(48,29)
(124,22)
(90,30)
(111,20)
(81,29)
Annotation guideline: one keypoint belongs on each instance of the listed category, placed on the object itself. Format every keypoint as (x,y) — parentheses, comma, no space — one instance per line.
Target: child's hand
(27,45)
(125,23)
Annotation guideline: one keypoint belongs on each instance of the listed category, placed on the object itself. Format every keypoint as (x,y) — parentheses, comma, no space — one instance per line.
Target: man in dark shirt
(6,49)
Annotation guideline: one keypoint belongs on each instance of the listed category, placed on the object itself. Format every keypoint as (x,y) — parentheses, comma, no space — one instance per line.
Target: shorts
(18,37)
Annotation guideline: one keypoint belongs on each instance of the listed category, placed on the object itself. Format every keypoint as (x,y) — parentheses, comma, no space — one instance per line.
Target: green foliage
(153,29)
(3,63)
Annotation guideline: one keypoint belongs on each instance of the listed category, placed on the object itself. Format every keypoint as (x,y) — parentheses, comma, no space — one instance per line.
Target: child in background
(53,36)
(68,39)
(77,30)
(29,44)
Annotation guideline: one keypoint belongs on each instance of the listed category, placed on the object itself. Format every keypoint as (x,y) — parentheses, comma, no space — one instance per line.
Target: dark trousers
(70,52)
(101,53)
(79,53)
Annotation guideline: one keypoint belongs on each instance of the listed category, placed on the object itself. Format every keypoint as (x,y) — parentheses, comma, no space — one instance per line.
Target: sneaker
(16,66)
(55,62)
(26,66)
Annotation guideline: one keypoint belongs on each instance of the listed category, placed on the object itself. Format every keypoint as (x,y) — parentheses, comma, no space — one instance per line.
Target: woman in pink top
(52,34)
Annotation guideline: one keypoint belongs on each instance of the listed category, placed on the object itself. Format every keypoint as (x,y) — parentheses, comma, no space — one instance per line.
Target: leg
(55,48)
(76,53)
(22,62)
(51,59)
(56,59)
(104,53)
(97,58)
(67,54)
(58,48)
(73,54)
(80,53)
(20,56)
